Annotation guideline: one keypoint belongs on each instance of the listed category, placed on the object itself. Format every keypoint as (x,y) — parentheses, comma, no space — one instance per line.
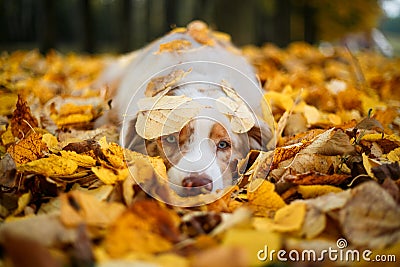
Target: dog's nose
(196,184)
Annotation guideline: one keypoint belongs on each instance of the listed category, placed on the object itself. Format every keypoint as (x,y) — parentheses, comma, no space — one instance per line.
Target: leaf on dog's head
(200,32)
(164,115)
(174,46)
(242,120)
(161,83)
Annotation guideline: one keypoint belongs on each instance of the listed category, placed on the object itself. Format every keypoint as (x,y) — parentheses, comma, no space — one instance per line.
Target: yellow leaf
(8,102)
(368,164)
(394,155)
(312,114)
(147,227)
(51,166)
(263,199)
(313,191)
(280,100)
(72,119)
(254,242)
(23,201)
(290,218)
(7,137)
(78,207)
(110,176)
(51,142)
(81,160)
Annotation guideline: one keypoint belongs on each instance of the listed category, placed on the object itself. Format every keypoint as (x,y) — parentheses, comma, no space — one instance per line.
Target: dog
(191,98)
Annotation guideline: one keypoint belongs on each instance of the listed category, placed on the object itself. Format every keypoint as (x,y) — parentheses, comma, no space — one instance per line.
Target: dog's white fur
(212,63)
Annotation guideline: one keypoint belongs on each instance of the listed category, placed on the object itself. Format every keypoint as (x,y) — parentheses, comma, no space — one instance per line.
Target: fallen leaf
(78,207)
(23,201)
(371,217)
(28,149)
(234,256)
(7,171)
(252,242)
(290,218)
(315,178)
(313,191)
(50,166)
(390,170)
(22,121)
(330,143)
(153,227)
(8,102)
(37,227)
(263,200)
(110,176)
(81,160)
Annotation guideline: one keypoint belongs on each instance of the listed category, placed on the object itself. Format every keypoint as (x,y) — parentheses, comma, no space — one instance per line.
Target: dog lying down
(191,98)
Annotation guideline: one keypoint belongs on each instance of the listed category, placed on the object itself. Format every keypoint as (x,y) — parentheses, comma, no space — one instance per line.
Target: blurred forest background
(97,26)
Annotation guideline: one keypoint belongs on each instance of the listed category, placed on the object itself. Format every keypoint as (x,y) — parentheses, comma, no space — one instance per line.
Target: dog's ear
(259,136)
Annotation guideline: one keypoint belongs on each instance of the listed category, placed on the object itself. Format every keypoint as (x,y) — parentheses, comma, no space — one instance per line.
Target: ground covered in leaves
(67,197)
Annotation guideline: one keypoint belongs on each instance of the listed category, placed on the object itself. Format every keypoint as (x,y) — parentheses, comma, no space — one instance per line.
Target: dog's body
(204,69)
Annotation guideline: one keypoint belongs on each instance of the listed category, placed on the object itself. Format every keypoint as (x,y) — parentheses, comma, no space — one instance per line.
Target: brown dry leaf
(282,154)
(174,46)
(22,121)
(390,170)
(7,171)
(161,83)
(263,199)
(78,207)
(28,149)
(147,227)
(330,143)
(50,166)
(164,115)
(315,178)
(38,227)
(305,163)
(371,217)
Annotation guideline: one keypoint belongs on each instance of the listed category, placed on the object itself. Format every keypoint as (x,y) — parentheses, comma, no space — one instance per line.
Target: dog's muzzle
(196,184)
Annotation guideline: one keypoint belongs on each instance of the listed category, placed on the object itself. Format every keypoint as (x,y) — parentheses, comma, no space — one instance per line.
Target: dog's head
(202,156)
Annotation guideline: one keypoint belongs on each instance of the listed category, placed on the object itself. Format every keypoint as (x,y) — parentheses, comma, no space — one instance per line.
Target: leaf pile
(69,194)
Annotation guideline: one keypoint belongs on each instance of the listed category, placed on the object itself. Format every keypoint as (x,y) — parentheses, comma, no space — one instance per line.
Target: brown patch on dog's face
(173,146)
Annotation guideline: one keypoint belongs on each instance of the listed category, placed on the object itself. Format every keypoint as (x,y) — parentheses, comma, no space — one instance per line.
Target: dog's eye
(223,145)
(170,139)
